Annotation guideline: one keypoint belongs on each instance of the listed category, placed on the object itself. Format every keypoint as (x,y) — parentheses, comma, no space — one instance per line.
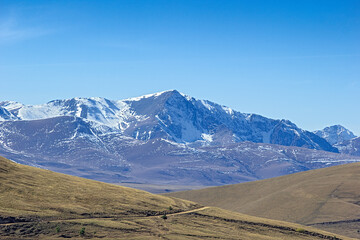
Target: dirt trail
(122,217)
(190,211)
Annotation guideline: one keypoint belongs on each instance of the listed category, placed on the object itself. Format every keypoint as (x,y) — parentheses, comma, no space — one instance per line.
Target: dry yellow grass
(39,204)
(30,192)
(317,196)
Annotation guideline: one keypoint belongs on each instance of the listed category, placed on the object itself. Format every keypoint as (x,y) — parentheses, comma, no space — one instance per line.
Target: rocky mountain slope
(341,138)
(174,116)
(6,115)
(163,138)
(335,134)
(351,146)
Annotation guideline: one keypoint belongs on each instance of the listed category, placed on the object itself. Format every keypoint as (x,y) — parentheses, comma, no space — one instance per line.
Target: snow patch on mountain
(153,95)
(174,116)
(207,137)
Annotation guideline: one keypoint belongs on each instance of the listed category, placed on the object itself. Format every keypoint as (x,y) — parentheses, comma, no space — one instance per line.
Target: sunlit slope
(317,196)
(40,204)
(29,192)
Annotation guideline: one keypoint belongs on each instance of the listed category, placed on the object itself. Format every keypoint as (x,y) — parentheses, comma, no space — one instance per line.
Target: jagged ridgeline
(162,138)
(174,116)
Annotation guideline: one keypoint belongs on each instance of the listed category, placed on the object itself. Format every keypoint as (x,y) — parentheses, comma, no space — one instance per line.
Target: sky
(296,60)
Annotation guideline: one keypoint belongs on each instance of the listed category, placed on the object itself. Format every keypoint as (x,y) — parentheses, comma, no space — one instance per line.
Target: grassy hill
(40,204)
(327,198)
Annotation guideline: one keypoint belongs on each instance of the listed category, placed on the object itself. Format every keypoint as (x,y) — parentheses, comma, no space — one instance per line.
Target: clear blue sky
(298,60)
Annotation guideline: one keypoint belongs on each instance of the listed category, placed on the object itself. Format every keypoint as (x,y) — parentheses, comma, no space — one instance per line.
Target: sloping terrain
(39,204)
(74,146)
(29,194)
(350,146)
(327,198)
(166,138)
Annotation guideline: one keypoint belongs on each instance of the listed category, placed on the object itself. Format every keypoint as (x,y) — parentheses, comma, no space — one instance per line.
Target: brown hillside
(312,197)
(40,204)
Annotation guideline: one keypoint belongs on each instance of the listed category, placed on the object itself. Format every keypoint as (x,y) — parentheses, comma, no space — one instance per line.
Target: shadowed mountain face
(6,115)
(163,138)
(351,146)
(74,146)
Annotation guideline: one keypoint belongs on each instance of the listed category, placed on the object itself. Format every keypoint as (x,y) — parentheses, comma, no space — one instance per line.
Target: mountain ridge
(174,116)
(74,146)
(163,138)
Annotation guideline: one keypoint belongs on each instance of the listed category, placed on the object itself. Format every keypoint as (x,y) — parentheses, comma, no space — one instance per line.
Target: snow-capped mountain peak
(335,134)
(154,95)
(159,138)
(173,116)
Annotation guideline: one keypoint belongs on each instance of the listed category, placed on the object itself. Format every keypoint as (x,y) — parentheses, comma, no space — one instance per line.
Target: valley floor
(153,188)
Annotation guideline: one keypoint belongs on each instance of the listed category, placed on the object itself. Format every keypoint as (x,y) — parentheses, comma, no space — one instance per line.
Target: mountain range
(161,138)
